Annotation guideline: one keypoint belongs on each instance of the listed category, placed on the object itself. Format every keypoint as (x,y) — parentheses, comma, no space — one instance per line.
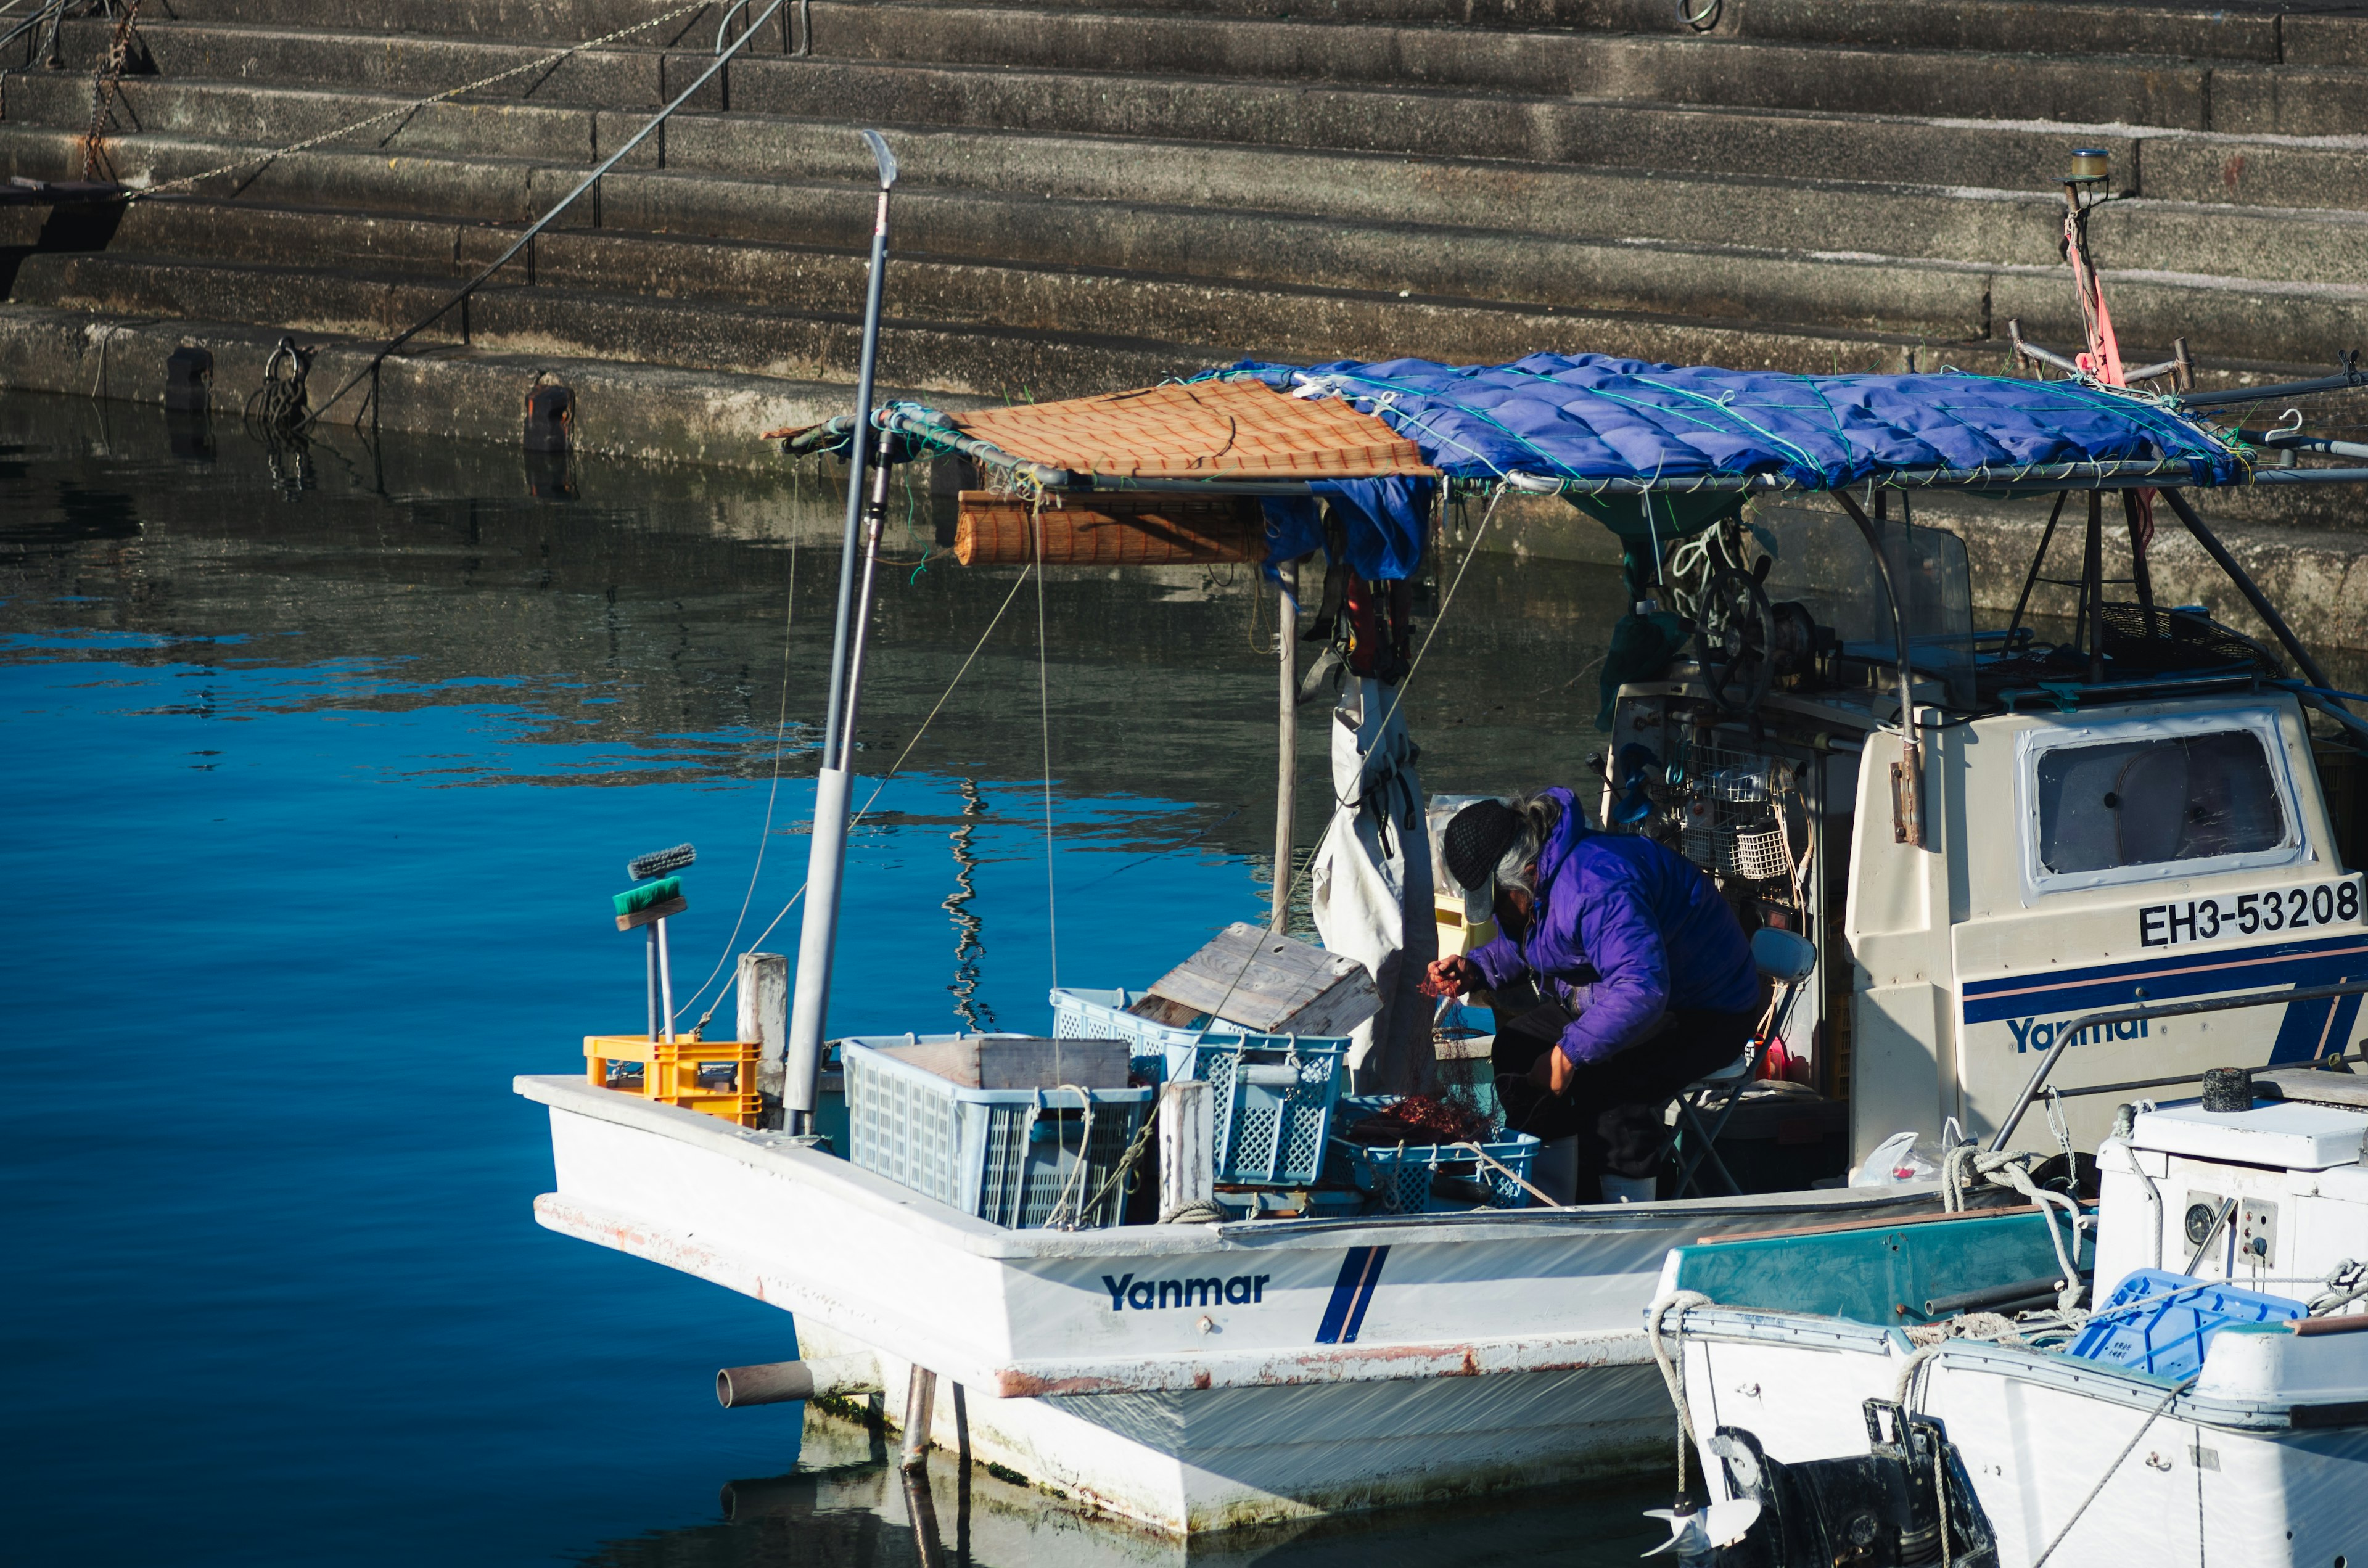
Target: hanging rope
(942,699)
(2143,1428)
(1672,1361)
(772,794)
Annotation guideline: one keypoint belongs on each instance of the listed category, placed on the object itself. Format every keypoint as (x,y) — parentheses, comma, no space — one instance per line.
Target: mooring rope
(415,106)
(1672,1363)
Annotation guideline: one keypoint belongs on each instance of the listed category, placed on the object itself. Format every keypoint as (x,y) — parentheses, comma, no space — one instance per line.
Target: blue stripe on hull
(1344,1314)
(2320,961)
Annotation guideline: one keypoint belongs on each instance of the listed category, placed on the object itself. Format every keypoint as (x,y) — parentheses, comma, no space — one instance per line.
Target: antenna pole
(827,852)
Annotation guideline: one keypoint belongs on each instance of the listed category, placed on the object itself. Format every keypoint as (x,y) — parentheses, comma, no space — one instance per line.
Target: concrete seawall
(1100,197)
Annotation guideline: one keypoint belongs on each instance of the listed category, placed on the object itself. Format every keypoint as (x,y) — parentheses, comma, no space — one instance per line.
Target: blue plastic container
(1271,1101)
(1400,1179)
(1010,1156)
(2161,1323)
(1102,1015)
(1273,1095)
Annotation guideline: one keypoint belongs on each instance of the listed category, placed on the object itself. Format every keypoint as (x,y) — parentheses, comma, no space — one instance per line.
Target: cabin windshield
(2153,801)
(1821,561)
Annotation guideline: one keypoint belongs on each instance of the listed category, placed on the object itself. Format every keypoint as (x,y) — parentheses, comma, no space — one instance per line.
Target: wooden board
(1270,983)
(2315,1084)
(979,1061)
(665,909)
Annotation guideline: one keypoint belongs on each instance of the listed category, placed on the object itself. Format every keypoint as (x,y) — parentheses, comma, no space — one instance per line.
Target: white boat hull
(1192,1376)
(2218,1477)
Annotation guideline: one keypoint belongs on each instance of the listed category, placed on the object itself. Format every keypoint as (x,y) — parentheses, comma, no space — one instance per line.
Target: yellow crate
(671,1074)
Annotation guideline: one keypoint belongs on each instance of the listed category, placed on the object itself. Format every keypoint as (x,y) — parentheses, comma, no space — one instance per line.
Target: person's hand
(1453,976)
(1552,1071)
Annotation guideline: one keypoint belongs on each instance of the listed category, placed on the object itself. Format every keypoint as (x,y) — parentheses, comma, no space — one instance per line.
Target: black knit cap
(1476,838)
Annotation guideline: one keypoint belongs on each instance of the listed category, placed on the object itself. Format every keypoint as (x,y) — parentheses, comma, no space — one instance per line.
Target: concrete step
(2135,90)
(953,115)
(2261,33)
(964,357)
(1640,299)
(1356,220)
(1947,307)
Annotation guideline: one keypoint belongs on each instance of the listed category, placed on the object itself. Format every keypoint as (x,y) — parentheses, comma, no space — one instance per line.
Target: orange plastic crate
(715,1076)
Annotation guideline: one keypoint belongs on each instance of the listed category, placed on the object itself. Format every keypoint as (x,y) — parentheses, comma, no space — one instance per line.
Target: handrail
(2080,1026)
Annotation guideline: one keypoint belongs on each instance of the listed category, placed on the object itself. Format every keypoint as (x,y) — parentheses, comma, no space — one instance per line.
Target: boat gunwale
(781,1156)
(2048,1368)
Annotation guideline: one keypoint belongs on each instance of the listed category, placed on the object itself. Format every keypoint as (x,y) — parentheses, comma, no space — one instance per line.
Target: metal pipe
(2351,378)
(920,1405)
(826,850)
(665,982)
(1907,774)
(650,953)
(1286,760)
(2092,590)
(2245,586)
(2080,1026)
(2031,578)
(782,1382)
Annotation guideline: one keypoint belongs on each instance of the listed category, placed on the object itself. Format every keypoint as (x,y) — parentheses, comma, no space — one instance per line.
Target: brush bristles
(659,863)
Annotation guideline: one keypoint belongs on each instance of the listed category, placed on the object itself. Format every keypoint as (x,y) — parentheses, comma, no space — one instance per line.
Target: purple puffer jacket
(1624,931)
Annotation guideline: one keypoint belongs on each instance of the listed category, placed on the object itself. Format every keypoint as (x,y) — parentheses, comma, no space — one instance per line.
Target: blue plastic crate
(1273,1094)
(2162,1323)
(1010,1156)
(1102,1015)
(1272,1099)
(1399,1179)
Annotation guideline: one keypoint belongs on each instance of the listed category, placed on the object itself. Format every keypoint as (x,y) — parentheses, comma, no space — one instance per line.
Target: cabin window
(2183,795)
(2145,803)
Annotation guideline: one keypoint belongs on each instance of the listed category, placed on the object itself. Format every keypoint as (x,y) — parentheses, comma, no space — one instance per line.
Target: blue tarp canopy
(1599,424)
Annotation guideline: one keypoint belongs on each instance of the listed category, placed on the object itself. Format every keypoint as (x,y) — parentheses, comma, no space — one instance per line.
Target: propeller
(1696,1534)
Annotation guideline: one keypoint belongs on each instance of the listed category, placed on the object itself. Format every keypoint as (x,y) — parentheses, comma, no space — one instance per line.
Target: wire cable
(900,757)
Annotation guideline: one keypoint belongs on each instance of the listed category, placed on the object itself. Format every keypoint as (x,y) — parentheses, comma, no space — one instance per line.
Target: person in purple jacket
(1645,982)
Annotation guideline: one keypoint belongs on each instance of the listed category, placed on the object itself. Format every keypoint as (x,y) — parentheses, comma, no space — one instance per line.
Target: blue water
(298,891)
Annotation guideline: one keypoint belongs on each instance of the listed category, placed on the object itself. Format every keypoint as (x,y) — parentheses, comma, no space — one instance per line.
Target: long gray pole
(826,854)
(1908,778)
(1286,763)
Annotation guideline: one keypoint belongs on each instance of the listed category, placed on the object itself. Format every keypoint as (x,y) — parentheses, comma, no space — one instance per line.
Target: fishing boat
(1866,1389)
(1983,850)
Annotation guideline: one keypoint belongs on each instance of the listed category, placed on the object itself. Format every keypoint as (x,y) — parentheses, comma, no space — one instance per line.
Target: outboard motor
(1880,1511)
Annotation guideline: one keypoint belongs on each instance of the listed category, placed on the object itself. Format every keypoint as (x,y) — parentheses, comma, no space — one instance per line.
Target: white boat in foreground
(1375,1362)
(2219,1414)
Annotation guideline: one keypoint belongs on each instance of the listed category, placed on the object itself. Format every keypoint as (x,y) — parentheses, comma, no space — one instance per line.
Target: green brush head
(635,900)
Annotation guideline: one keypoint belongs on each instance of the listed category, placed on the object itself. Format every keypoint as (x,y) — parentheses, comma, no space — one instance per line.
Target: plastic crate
(2162,1323)
(1010,1156)
(1102,1015)
(715,1076)
(1271,1102)
(1400,1179)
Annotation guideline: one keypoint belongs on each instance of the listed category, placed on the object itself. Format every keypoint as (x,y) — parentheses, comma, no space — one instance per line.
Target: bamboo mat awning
(1200,430)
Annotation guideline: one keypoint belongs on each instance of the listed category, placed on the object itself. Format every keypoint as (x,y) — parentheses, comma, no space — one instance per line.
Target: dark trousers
(1614,1105)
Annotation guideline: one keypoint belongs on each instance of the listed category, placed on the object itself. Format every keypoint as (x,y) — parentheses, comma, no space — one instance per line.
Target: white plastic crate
(1011,1156)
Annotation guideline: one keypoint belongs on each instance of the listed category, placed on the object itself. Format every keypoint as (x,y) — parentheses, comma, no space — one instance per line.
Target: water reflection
(846,1505)
(973,1013)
